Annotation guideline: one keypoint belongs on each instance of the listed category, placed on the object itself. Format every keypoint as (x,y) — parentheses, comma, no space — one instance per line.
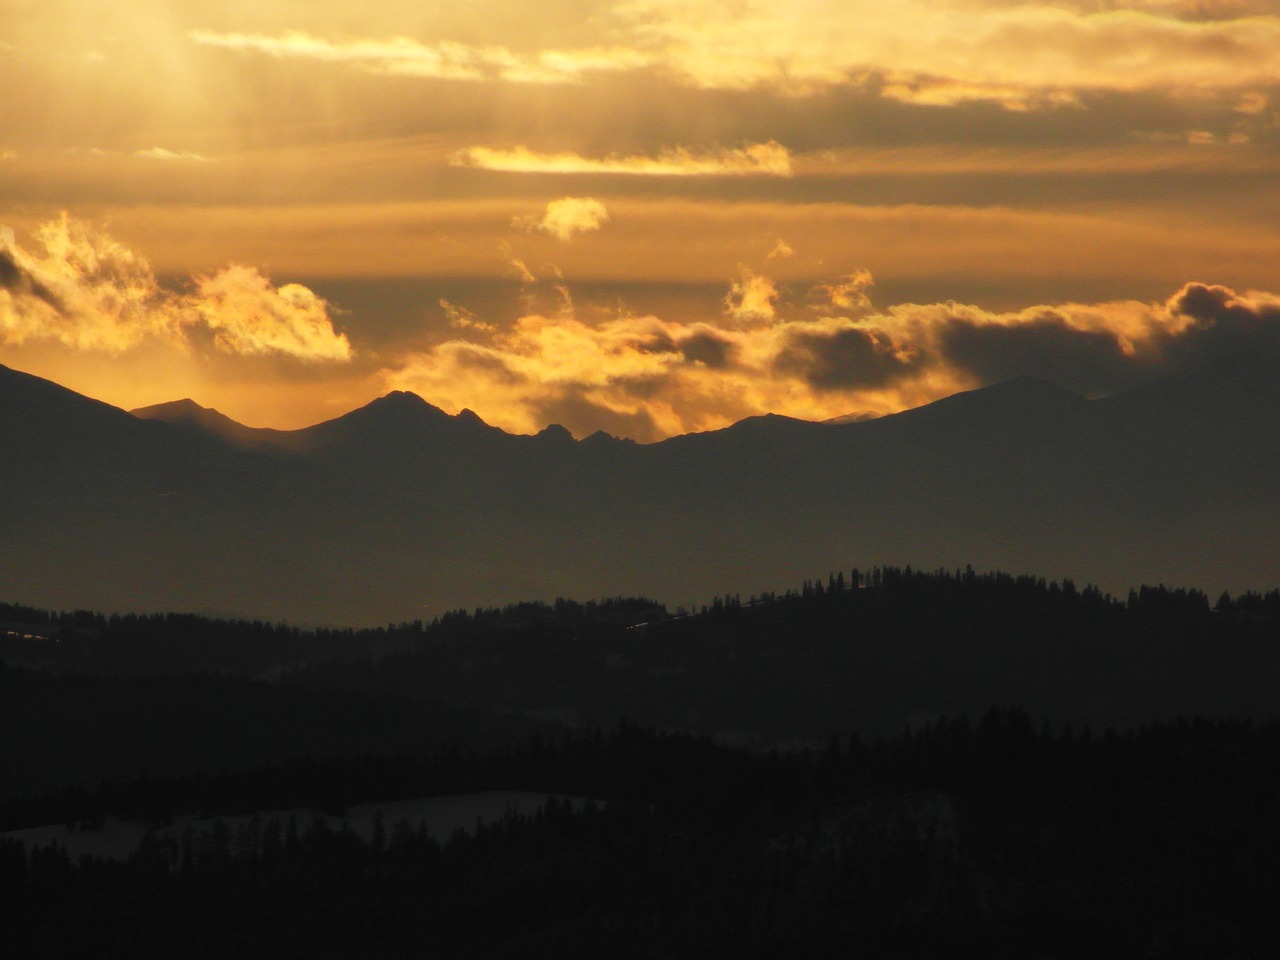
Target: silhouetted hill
(190,415)
(868,651)
(398,510)
(1019,402)
(39,419)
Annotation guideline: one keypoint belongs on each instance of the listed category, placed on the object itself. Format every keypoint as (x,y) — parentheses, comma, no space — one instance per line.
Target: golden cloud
(459,317)
(849,292)
(650,378)
(248,315)
(89,292)
(567,216)
(750,298)
(755,159)
(1020,55)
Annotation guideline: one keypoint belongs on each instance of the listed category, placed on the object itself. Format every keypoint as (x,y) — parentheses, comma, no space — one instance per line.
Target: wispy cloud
(160,153)
(1024,55)
(444,60)
(756,159)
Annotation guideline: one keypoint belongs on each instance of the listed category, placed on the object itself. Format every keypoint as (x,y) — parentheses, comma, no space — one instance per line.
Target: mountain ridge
(398,509)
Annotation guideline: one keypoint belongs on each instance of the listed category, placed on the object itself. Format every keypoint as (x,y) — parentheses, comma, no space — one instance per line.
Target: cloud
(567,216)
(649,377)
(1046,346)
(248,316)
(160,153)
(750,298)
(1021,55)
(781,250)
(1252,103)
(444,60)
(89,292)
(928,91)
(1217,321)
(849,293)
(708,347)
(460,318)
(86,291)
(517,266)
(1041,55)
(755,159)
(151,153)
(834,355)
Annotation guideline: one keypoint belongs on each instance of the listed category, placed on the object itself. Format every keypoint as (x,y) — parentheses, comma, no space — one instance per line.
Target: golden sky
(646,216)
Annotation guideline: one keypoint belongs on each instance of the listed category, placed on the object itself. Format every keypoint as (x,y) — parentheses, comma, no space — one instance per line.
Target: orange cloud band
(649,378)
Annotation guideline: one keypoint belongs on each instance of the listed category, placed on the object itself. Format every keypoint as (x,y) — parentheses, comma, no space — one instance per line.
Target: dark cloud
(655,343)
(1223,322)
(1216,305)
(1200,323)
(843,359)
(1046,347)
(20,281)
(10,275)
(488,363)
(708,348)
(643,386)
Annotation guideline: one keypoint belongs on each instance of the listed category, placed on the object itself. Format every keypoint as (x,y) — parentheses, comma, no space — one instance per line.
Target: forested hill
(859,651)
(867,652)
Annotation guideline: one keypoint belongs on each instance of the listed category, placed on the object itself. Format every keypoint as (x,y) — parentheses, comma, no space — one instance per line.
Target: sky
(648,217)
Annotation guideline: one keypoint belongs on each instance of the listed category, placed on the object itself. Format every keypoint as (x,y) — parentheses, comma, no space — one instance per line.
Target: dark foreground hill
(967,839)
(1089,815)
(398,510)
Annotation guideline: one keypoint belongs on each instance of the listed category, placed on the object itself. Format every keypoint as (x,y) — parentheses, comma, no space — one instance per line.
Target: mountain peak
(400,400)
(189,415)
(396,407)
(768,424)
(555,433)
(171,410)
(394,419)
(600,438)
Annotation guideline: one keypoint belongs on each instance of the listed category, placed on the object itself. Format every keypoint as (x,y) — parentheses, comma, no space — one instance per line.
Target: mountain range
(398,510)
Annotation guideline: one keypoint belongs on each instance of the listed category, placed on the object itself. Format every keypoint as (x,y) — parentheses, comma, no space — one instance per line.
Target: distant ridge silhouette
(190,415)
(399,510)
